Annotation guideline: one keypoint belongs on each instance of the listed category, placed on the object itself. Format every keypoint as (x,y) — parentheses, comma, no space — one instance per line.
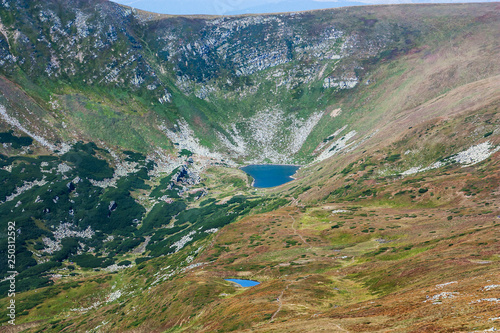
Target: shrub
(161,214)
(89,261)
(87,165)
(393,158)
(141,260)
(17,142)
(207,201)
(185,152)
(124,263)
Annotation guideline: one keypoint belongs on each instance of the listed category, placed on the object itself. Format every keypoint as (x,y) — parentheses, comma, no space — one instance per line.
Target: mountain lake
(270,175)
(244,283)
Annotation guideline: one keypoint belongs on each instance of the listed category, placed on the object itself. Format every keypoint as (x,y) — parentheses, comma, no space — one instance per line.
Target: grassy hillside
(416,253)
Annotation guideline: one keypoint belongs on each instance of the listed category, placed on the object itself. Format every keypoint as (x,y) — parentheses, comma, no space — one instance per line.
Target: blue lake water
(244,283)
(270,175)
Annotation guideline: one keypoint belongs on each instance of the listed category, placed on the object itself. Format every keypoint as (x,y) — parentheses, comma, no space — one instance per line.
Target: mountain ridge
(206,112)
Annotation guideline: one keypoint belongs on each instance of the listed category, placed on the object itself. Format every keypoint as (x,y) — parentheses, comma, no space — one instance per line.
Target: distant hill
(293,6)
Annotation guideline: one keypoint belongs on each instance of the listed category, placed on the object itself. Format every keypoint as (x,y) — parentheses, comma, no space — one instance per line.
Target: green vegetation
(393,158)
(488,134)
(17,142)
(90,261)
(162,190)
(185,152)
(83,157)
(161,214)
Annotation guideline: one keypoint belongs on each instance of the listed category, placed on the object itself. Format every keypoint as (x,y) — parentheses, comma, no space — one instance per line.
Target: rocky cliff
(239,82)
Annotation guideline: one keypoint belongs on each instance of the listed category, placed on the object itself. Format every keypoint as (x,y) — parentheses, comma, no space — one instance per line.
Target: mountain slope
(256,87)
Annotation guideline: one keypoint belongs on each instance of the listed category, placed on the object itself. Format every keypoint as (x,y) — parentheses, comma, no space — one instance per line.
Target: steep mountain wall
(257,88)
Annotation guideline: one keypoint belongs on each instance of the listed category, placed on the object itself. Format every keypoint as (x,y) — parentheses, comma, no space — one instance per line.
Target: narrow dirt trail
(293,203)
(280,297)
(340,328)
(297,233)
(280,302)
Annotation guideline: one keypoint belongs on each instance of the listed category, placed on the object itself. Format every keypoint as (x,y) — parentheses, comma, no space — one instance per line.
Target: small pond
(244,283)
(270,175)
